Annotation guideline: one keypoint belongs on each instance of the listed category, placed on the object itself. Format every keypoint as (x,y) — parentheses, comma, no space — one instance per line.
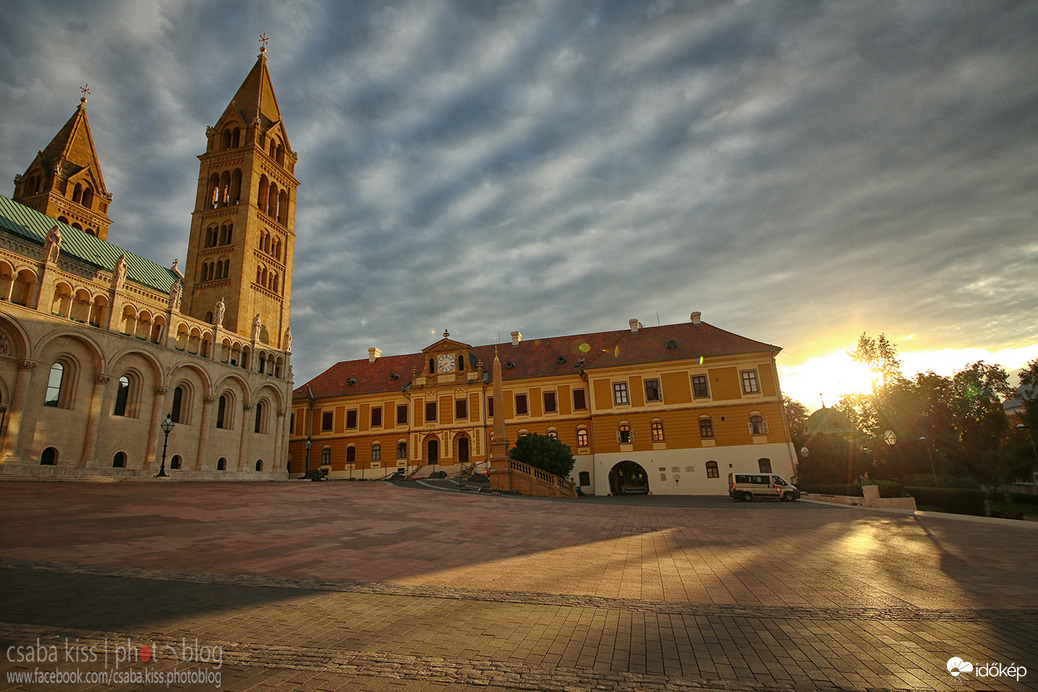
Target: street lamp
(167,427)
(929,454)
(890,437)
(306,470)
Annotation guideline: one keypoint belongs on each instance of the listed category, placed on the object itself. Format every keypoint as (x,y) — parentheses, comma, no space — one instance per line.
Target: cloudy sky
(800,173)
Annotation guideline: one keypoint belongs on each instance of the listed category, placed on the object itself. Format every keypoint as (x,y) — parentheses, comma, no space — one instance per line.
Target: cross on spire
(86,90)
(264,40)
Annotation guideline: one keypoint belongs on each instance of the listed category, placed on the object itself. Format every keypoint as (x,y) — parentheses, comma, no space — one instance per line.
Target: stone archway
(628,477)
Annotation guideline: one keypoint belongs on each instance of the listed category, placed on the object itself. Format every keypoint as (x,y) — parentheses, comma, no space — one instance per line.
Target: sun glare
(825,379)
(828,377)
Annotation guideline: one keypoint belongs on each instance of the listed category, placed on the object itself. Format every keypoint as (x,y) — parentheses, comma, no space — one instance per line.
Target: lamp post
(306,469)
(930,454)
(167,427)
(890,437)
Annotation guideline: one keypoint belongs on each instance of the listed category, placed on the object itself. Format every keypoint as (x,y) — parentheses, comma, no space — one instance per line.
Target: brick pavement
(367,586)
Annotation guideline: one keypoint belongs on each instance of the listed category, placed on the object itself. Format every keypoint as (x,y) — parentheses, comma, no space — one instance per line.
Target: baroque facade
(98,346)
(668,410)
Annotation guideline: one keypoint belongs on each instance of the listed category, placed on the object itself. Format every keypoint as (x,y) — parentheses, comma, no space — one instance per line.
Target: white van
(751,486)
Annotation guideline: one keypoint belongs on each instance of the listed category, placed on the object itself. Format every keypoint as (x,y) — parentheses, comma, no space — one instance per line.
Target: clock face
(445,363)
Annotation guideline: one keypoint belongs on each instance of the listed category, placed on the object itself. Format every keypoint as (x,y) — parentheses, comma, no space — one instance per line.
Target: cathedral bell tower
(241,245)
(64,181)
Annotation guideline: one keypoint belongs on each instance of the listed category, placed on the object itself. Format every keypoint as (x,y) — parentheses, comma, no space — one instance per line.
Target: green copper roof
(30,224)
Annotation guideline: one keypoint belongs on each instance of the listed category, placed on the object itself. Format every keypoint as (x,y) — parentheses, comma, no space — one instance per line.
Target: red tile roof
(549,357)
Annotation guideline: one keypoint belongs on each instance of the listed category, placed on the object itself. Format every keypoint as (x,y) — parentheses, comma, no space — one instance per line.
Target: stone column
(97,397)
(279,442)
(500,471)
(203,432)
(243,448)
(158,406)
(16,412)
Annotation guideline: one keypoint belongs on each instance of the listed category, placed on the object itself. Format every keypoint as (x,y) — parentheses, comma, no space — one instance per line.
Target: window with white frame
(620,393)
(700,387)
(657,431)
(757,425)
(652,390)
(623,433)
(750,385)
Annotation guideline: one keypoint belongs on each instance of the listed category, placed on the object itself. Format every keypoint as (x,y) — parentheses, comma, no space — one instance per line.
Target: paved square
(372,586)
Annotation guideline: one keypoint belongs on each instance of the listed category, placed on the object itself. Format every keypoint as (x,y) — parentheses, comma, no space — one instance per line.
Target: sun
(825,378)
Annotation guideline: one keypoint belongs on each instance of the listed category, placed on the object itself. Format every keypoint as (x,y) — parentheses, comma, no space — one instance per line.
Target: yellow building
(669,410)
(98,345)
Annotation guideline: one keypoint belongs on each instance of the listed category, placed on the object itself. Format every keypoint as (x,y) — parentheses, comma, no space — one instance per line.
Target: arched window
(259,417)
(711,469)
(401,450)
(326,456)
(582,437)
(177,413)
(757,425)
(223,418)
(49,457)
(657,431)
(706,428)
(175,462)
(54,385)
(623,434)
(351,454)
(376,452)
(122,395)
(259,464)
(221,465)
(119,462)
(765,465)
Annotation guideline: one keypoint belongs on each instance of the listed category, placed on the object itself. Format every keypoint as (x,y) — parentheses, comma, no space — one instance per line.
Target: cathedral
(113,365)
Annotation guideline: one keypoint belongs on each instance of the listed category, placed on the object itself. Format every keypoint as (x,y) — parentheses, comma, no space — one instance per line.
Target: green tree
(545,453)
(881,358)
(796,417)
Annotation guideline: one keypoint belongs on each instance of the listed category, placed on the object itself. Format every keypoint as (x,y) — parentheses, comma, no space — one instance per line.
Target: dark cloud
(799,172)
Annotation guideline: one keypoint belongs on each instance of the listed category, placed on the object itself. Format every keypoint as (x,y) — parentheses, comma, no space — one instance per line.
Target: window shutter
(764,427)
(749,426)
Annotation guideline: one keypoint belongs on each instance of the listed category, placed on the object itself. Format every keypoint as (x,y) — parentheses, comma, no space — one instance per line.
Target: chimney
(635,325)
(516,338)
(373,354)
(697,317)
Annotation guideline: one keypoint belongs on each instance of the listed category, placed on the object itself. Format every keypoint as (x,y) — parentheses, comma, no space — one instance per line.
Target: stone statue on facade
(218,313)
(175,293)
(288,339)
(256,324)
(52,246)
(119,273)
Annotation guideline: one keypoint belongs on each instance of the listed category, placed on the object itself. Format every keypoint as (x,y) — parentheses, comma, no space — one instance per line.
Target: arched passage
(628,477)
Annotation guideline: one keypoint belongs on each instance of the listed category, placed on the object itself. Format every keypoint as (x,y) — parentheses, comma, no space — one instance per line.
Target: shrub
(543,452)
(955,500)
(1024,498)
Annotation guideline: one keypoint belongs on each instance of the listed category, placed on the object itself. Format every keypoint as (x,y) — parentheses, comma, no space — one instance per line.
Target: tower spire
(64,181)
